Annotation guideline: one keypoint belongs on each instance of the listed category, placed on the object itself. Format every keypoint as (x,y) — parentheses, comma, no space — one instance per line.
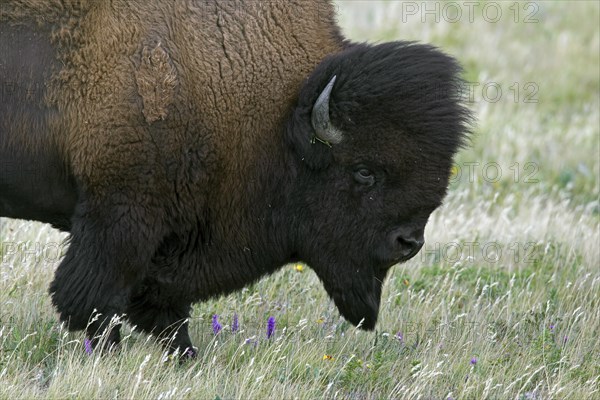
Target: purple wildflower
(216,326)
(399,336)
(191,353)
(552,327)
(473,361)
(235,325)
(270,327)
(87,344)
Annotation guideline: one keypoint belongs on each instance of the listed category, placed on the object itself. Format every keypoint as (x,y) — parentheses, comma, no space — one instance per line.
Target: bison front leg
(109,250)
(154,310)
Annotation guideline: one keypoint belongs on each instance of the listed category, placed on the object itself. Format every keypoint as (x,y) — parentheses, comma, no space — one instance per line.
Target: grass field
(502,303)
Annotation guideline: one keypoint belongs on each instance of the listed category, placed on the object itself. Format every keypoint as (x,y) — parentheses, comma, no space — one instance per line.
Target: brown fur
(225,76)
(156,81)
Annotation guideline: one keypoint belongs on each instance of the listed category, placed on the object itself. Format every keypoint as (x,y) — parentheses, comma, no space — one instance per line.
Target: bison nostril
(406,242)
(408,246)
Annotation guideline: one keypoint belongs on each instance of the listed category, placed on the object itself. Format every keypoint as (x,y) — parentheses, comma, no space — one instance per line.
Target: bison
(192,147)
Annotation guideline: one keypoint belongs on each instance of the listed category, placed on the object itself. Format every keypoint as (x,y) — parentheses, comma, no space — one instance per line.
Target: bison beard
(192,172)
(359,304)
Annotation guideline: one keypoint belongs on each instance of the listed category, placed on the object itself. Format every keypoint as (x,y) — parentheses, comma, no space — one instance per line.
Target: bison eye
(364,176)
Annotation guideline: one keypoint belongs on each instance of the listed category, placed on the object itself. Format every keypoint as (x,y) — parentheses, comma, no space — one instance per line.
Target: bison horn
(325,131)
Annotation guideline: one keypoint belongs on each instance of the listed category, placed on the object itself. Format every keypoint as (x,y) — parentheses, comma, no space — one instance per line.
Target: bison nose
(406,242)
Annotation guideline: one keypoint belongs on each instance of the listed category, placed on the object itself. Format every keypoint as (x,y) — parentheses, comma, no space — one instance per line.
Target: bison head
(374,133)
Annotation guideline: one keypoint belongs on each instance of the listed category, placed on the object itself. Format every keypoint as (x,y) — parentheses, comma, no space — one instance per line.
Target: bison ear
(313,136)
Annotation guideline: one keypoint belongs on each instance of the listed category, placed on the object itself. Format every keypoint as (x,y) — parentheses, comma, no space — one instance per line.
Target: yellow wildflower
(453,172)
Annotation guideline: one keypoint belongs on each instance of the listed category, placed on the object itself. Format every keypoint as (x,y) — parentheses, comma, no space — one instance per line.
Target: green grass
(509,275)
